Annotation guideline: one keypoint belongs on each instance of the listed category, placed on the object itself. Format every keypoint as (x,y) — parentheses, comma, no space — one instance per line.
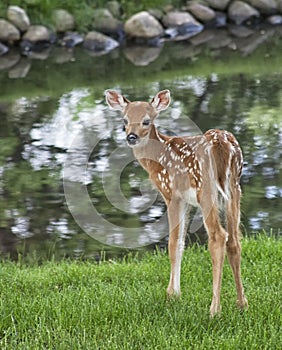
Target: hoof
(242,304)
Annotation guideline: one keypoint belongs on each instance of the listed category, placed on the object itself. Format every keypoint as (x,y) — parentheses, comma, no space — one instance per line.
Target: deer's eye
(146,122)
(125,121)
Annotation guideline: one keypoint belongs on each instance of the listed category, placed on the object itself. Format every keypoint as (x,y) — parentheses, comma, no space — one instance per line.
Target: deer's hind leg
(217,243)
(233,245)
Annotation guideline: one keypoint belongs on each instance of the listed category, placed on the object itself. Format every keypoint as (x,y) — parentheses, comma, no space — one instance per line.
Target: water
(69,186)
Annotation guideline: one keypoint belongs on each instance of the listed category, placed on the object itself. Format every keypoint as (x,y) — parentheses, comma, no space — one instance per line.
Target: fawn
(202,171)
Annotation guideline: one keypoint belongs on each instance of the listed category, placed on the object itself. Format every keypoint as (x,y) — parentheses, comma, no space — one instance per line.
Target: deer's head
(138,117)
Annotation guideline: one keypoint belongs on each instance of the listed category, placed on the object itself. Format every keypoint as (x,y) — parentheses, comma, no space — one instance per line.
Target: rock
(114,8)
(143,25)
(141,55)
(37,33)
(3,49)
(8,32)
(265,7)
(20,70)
(274,20)
(201,12)
(103,21)
(178,18)
(181,25)
(71,39)
(63,20)
(18,17)
(99,43)
(220,19)
(9,60)
(220,5)
(241,12)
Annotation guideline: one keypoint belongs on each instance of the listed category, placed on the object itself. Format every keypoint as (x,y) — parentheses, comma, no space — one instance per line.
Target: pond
(69,185)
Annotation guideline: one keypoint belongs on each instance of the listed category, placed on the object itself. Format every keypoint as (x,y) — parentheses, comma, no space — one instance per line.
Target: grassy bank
(80,305)
(40,11)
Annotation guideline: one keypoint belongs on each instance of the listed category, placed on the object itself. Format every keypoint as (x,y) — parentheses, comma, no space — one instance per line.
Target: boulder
(99,43)
(274,20)
(220,5)
(178,18)
(240,12)
(37,33)
(63,20)
(181,25)
(201,12)
(18,17)
(8,32)
(103,21)
(3,49)
(114,8)
(265,7)
(143,25)
(71,39)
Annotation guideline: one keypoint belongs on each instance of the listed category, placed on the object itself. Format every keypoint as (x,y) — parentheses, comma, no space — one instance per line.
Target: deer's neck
(149,153)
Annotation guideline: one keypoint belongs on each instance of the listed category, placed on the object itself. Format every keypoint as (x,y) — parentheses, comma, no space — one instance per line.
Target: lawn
(122,304)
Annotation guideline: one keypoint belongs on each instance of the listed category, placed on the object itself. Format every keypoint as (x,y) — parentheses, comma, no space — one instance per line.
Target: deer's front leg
(177,232)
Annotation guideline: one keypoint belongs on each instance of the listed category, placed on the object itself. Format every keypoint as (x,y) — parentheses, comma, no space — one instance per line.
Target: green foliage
(40,11)
(78,305)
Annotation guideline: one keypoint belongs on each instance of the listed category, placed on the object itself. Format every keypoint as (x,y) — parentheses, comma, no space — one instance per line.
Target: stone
(143,25)
(71,39)
(8,32)
(3,49)
(181,25)
(274,20)
(201,12)
(114,8)
(18,17)
(63,20)
(265,7)
(99,43)
(240,12)
(178,18)
(103,21)
(220,5)
(37,33)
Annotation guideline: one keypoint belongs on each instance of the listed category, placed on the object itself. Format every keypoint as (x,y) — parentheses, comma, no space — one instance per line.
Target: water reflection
(40,135)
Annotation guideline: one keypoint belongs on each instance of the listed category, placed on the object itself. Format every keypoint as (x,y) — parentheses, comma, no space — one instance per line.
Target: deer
(203,171)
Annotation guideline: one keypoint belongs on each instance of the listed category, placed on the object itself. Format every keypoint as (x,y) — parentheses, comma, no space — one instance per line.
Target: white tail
(199,170)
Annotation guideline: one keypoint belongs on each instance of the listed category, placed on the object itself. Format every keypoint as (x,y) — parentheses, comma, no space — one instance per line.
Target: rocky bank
(215,23)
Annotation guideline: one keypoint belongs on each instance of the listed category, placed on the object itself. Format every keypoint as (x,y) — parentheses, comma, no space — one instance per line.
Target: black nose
(132,139)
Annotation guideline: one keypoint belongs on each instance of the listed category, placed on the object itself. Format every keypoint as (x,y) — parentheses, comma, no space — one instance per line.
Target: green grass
(122,305)
(40,11)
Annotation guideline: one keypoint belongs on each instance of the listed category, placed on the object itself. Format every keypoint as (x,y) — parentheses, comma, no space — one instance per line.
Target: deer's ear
(116,100)
(161,101)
